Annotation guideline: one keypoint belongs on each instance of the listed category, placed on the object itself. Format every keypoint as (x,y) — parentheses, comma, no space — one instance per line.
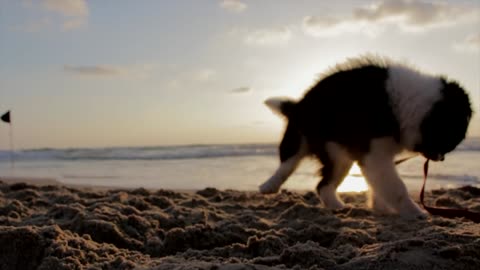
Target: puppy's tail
(280,105)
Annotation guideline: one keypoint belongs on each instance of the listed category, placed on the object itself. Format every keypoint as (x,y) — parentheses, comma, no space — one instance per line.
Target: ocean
(240,167)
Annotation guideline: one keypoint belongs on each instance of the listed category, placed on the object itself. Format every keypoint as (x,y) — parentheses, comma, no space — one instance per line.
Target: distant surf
(166,152)
(144,153)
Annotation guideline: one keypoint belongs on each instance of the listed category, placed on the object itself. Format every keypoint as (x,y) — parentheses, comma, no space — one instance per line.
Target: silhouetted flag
(6,117)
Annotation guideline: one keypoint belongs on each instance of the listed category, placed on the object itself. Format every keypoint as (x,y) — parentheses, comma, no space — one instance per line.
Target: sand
(58,227)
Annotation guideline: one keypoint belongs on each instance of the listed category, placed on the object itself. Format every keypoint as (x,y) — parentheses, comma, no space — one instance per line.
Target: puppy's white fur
(285,169)
(412,94)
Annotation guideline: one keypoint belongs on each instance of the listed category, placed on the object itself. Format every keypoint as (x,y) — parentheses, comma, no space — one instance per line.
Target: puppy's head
(446,124)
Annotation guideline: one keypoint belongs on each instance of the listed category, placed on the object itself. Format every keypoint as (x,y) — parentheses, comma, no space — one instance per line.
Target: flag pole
(12,149)
(7,118)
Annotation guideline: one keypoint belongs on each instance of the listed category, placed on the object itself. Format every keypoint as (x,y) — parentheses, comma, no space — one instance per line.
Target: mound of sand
(56,227)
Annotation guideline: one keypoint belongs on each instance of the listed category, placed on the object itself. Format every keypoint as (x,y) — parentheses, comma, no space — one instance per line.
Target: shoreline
(41,181)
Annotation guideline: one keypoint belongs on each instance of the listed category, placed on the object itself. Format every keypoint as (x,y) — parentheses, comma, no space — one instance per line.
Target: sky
(94,73)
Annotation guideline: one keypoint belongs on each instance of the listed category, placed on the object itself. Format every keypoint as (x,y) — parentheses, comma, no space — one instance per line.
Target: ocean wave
(144,153)
(167,152)
(466,178)
(471,144)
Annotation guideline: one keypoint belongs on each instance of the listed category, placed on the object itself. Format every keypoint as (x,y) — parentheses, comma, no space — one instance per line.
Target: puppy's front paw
(269,188)
(414,214)
(419,216)
(334,204)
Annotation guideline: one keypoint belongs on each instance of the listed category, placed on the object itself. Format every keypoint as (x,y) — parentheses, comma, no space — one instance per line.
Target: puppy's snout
(435,157)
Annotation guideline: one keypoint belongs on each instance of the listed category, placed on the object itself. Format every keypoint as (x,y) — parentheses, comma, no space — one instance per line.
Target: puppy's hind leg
(292,149)
(336,164)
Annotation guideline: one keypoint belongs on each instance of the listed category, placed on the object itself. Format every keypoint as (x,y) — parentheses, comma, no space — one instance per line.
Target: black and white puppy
(368,110)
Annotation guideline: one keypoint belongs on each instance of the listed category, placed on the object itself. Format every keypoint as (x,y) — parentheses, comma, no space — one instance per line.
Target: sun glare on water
(354,182)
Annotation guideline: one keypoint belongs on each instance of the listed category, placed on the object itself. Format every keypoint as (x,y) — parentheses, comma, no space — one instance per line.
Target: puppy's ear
(281,105)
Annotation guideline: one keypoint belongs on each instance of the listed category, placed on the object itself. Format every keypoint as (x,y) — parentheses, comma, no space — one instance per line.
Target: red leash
(446,212)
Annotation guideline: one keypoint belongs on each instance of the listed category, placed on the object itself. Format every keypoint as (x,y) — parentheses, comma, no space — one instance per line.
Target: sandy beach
(57,227)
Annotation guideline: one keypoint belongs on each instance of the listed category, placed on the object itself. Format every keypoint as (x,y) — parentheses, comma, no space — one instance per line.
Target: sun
(354,182)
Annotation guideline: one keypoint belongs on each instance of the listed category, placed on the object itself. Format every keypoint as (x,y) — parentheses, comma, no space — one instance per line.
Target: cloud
(317,26)
(74,24)
(233,5)
(268,37)
(204,75)
(408,15)
(68,14)
(92,70)
(74,12)
(192,77)
(471,43)
(413,13)
(137,72)
(241,90)
(68,8)
(33,26)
